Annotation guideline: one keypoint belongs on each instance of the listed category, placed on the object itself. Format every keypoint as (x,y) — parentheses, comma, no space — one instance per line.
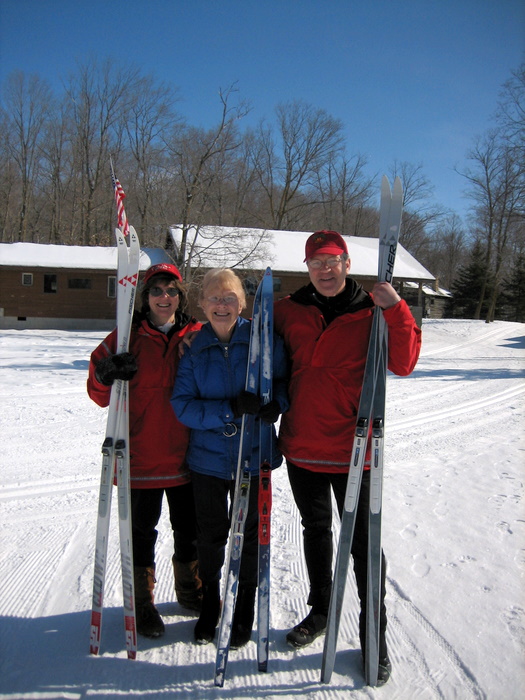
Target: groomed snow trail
(453,533)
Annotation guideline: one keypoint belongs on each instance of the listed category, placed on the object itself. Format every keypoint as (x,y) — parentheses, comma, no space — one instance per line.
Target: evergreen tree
(513,294)
(468,287)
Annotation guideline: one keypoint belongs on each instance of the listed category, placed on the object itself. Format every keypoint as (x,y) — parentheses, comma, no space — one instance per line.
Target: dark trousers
(146,506)
(213,499)
(312,494)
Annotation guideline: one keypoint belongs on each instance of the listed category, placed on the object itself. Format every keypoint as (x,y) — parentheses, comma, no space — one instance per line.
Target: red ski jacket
(328,362)
(158,441)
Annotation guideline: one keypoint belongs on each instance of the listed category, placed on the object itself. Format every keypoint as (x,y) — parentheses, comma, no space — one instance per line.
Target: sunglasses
(159,292)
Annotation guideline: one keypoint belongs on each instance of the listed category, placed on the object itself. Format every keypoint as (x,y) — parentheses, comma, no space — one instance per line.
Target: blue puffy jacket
(210,374)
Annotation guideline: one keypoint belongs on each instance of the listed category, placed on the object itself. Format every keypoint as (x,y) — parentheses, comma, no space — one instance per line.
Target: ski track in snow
(49,523)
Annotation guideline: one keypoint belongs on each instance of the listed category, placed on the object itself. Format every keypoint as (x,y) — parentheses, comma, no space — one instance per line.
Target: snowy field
(454,535)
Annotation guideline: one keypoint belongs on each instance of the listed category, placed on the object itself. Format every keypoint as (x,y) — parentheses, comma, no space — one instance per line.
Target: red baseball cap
(162,269)
(325,242)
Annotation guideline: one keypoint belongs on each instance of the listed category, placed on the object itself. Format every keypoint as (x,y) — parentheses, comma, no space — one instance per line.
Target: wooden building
(58,286)
(75,287)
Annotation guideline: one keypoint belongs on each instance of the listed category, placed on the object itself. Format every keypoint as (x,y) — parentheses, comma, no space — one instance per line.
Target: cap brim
(330,249)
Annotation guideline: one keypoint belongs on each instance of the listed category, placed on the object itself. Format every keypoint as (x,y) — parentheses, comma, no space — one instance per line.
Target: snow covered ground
(454,535)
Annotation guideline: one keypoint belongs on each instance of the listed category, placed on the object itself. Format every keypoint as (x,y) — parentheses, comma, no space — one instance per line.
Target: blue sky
(411,80)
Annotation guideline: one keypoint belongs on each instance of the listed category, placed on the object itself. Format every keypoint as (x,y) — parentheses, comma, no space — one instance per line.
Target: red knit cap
(328,242)
(162,269)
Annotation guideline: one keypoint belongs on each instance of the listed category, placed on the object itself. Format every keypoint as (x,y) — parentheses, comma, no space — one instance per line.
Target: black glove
(270,412)
(123,366)
(246,402)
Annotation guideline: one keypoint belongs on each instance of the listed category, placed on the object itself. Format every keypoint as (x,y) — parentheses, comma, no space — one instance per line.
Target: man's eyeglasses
(316,264)
(228,300)
(159,292)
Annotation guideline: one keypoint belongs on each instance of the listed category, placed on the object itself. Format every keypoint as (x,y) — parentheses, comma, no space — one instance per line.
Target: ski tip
(398,187)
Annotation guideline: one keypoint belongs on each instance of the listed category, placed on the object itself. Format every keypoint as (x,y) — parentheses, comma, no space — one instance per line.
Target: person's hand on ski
(385,295)
(270,412)
(245,402)
(121,366)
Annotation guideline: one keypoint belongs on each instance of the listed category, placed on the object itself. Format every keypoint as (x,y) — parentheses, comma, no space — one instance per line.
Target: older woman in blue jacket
(209,397)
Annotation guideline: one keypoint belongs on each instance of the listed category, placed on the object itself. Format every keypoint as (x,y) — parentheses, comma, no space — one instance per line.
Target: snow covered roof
(72,256)
(431,291)
(284,251)
(216,246)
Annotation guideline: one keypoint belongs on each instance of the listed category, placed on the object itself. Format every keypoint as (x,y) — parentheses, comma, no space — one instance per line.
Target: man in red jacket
(326,328)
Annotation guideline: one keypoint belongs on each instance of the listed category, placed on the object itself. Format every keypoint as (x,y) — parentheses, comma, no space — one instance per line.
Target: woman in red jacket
(158,441)
(326,327)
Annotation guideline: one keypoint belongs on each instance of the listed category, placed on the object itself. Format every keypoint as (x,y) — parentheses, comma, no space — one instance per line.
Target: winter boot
(243,617)
(313,626)
(204,631)
(385,667)
(149,622)
(188,586)
(384,670)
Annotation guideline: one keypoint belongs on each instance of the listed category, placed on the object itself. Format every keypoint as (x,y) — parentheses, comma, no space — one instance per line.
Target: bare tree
(151,117)
(197,155)
(27,102)
(511,110)
(446,250)
(344,194)
(497,187)
(308,138)
(8,181)
(99,99)
(418,213)
(58,174)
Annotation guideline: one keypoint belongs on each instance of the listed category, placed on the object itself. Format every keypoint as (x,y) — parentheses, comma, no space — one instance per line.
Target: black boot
(204,631)
(243,617)
(307,631)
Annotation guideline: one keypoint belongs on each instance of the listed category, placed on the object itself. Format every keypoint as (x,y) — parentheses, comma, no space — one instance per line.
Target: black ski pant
(213,501)
(146,508)
(312,494)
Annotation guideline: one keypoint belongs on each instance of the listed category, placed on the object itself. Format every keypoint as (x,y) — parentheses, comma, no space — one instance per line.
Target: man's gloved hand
(270,412)
(123,366)
(246,402)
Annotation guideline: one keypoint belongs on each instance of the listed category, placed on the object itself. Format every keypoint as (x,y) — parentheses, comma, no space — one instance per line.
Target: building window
(50,284)
(250,285)
(276,284)
(27,279)
(112,287)
(78,283)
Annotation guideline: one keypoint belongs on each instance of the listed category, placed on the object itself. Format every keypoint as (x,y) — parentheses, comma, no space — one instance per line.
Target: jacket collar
(353,298)
(207,337)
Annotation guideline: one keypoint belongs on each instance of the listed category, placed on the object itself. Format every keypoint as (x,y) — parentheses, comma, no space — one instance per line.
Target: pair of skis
(369,426)
(115,449)
(258,381)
